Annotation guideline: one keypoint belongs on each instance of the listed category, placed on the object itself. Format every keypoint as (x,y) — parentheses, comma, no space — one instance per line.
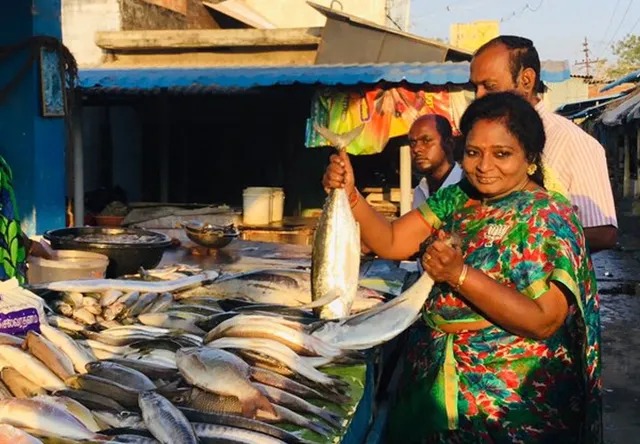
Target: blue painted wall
(34,146)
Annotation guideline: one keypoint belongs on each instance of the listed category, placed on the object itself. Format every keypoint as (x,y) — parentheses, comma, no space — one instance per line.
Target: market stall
(82,355)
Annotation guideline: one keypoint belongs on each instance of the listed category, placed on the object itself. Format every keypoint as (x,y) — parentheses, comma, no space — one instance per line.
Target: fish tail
(339,141)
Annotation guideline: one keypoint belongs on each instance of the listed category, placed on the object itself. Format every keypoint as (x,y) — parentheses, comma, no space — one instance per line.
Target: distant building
(470,36)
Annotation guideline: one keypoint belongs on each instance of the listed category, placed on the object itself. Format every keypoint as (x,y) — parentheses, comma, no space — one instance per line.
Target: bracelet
(354,198)
(462,278)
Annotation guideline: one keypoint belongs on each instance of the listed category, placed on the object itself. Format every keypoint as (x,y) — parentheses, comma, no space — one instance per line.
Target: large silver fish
(335,259)
(165,422)
(379,324)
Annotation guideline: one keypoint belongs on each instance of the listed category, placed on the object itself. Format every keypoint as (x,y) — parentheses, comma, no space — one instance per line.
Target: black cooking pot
(128,249)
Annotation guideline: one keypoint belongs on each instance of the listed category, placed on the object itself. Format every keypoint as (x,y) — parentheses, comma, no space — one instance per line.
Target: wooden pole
(405,179)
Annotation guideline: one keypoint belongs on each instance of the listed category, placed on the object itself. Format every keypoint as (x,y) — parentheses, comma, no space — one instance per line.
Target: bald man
(432,146)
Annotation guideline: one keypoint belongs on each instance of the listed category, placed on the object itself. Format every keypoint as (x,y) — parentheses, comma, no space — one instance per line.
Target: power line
(613,14)
(624,16)
(524,8)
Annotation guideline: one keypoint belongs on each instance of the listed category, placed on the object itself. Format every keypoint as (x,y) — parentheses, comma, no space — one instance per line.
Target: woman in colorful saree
(509,352)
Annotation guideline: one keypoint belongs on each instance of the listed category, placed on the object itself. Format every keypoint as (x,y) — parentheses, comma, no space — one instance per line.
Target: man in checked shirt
(575,163)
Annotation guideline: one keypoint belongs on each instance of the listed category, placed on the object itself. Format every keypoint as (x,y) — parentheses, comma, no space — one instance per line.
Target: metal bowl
(128,249)
(210,236)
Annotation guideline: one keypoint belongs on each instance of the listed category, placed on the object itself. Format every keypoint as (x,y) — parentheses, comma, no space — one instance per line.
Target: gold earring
(531,169)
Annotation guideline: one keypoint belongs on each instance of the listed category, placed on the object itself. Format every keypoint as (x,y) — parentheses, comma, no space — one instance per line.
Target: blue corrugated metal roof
(629,78)
(229,78)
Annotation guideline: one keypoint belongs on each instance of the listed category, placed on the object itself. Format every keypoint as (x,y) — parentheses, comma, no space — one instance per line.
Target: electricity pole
(587,62)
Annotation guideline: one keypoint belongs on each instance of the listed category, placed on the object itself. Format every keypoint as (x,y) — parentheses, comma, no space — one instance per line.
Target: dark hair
(443,127)
(522,53)
(520,119)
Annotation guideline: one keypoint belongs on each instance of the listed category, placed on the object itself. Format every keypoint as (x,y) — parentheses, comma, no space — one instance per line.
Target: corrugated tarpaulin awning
(622,110)
(412,76)
(388,111)
(217,79)
(632,77)
(572,108)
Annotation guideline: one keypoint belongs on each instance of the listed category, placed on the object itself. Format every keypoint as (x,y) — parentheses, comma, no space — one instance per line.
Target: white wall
(571,90)
(80,21)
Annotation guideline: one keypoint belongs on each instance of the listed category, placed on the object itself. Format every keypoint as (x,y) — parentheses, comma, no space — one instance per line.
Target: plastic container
(277,204)
(67,265)
(256,206)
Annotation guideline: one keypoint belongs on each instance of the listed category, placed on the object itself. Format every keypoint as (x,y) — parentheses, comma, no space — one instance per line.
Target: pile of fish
(241,378)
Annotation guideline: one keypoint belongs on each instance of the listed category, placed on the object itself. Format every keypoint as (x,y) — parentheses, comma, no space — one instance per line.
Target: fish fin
(339,141)
(326,299)
(257,401)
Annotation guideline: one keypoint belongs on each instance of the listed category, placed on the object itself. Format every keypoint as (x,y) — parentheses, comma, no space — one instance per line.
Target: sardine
(223,373)
(90,400)
(233,434)
(173,321)
(49,355)
(127,396)
(144,300)
(120,420)
(162,302)
(278,351)
(62,307)
(13,435)
(109,297)
(289,287)
(31,368)
(123,375)
(44,418)
(295,403)
(7,339)
(5,393)
(167,424)
(101,285)
(201,310)
(199,417)
(79,411)
(73,298)
(65,323)
(274,379)
(381,323)
(84,316)
(261,327)
(151,370)
(20,386)
(78,355)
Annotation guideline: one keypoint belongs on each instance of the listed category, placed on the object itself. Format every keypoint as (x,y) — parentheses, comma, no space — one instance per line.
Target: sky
(557,27)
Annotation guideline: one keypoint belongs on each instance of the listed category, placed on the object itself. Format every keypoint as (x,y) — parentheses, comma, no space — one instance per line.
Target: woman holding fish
(511,352)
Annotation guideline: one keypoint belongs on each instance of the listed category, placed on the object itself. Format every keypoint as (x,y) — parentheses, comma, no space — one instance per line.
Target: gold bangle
(462,278)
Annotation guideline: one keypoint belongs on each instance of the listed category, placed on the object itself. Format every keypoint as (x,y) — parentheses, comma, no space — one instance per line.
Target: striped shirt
(579,163)
(421,192)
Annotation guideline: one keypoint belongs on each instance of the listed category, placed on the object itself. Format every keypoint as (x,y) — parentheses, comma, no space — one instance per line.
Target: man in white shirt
(432,147)
(575,161)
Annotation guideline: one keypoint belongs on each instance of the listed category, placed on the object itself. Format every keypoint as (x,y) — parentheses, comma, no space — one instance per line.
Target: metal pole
(78,164)
(405,179)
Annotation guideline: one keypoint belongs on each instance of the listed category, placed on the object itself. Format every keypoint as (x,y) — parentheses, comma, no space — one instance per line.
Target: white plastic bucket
(256,206)
(277,204)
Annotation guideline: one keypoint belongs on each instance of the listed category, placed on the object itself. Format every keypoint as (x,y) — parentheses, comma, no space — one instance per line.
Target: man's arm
(601,238)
